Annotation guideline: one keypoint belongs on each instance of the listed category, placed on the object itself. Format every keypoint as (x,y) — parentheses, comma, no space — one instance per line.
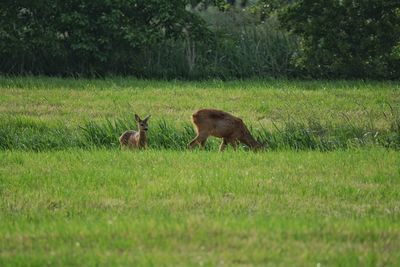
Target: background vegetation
(202,39)
(351,39)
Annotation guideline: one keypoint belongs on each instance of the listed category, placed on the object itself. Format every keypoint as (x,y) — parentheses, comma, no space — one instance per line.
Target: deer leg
(223,145)
(202,138)
(193,143)
(233,143)
(203,143)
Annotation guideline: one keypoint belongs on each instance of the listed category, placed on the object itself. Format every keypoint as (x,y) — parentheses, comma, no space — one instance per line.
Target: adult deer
(218,123)
(136,139)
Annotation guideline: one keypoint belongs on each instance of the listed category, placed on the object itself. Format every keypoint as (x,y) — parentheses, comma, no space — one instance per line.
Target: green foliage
(264,9)
(347,38)
(241,47)
(202,39)
(87,37)
(149,39)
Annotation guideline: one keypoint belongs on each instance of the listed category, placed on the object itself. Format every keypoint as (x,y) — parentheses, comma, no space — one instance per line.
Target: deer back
(218,123)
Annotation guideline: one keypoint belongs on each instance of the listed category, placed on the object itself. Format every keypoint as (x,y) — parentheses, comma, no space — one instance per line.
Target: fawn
(135,139)
(223,125)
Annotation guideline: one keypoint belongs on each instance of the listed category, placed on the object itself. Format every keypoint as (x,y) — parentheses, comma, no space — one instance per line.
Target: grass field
(44,113)
(258,102)
(193,208)
(76,202)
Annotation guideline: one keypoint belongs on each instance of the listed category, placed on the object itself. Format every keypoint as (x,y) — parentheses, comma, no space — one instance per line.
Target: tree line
(201,39)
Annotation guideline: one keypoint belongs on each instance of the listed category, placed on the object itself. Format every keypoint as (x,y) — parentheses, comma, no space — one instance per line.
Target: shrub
(87,37)
(346,38)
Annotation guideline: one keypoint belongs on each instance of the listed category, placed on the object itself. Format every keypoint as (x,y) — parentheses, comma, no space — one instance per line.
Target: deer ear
(147,118)
(137,118)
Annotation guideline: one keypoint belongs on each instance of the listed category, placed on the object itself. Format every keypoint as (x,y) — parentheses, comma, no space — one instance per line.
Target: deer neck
(142,137)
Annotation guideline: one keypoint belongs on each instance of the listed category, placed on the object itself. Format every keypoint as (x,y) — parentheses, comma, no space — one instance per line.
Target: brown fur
(218,123)
(135,139)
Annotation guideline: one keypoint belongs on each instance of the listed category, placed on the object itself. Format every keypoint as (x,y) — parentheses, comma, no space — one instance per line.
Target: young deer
(223,125)
(133,139)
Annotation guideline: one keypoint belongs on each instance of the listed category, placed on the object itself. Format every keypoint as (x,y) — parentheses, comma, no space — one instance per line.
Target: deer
(221,124)
(136,139)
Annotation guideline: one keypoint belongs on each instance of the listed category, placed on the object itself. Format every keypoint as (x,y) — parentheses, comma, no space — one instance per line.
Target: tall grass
(25,134)
(240,48)
(19,133)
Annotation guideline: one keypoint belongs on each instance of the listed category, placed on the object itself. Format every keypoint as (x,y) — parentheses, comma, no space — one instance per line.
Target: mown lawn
(153,208)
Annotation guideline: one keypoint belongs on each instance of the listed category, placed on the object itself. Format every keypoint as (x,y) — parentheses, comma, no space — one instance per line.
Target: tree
(87,37)
(346,38)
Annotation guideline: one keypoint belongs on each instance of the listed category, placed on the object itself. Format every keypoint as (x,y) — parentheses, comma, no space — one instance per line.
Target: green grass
(257,102)
(192,208)
(325,193)
(50,113)
(18,133)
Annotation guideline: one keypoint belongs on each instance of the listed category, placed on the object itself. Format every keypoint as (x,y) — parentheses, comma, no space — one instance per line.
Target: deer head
(261,145)
(142,124)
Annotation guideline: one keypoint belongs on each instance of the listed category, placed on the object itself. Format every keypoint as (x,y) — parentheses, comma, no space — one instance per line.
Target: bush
(240,47)
(87,37)
(149,39)
(347,38)
(195,40)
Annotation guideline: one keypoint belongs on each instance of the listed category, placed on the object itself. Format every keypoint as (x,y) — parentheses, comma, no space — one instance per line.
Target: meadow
(324,194)
(296,115)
